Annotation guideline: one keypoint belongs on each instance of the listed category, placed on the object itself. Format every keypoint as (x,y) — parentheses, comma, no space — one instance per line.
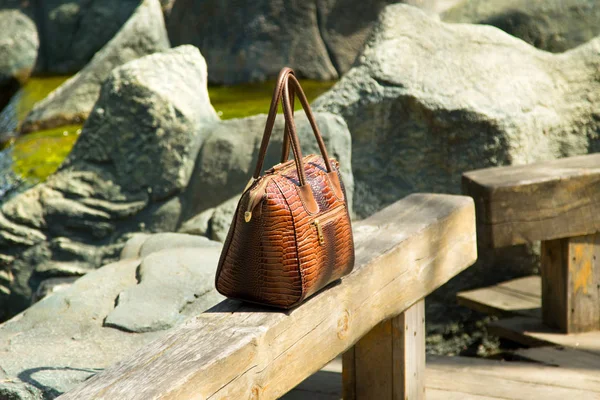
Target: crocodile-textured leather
(273,254)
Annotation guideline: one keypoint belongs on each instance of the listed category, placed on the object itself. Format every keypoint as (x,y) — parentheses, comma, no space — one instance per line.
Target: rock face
(75,333)
(126,173)
(18,51)
(144,33)
(228,156)
(213,223)
(251,41)
(428,100)
(71,32)
(552,25)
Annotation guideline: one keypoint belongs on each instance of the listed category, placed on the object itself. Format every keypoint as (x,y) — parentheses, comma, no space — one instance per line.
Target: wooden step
(563,357)
(532,332)
(517,297)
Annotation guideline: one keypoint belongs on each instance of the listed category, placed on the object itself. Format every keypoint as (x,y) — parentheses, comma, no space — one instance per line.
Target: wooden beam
(389,361)
(571,283)
(543,201)
(238,351)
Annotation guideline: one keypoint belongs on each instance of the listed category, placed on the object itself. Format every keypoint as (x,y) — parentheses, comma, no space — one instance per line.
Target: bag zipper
(326,218)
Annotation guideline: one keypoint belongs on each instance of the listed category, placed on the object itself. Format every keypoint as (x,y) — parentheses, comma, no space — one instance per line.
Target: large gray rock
(75,333)
(228,156)
(144,33)
(169,280)
(251,40)
(213,223)
(427,101)
(72,31)
(18,51)
(125,174)
(552,25)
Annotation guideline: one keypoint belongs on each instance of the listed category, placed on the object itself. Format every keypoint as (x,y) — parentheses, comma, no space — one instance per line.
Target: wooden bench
(557,203)
(374,316)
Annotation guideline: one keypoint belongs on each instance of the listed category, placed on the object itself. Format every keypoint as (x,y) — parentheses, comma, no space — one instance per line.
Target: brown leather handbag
(291,233)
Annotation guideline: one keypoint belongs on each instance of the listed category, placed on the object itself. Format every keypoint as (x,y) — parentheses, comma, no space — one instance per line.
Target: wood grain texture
(509,380)
(521,296)
(571,283)
(237,351)
(389,361)
(543,201)
(533,332)
(408,334)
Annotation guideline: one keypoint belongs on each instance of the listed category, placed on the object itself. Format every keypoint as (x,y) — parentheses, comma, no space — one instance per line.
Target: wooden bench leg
(571,283)
(389,361)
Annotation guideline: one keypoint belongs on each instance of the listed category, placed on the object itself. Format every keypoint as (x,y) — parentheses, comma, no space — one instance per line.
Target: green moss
(254,98)
(22,102)
(34,90)
(37,155)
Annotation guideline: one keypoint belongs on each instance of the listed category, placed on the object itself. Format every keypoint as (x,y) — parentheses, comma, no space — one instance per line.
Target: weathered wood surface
(237,351)
(571,283)
(509,380)
(563,357)
(389,361)
(521,296)
(465,378)
(533,332)
(543,201)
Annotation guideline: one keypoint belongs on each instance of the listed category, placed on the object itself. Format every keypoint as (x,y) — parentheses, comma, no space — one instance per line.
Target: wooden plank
(389,361)
(563,357)
(239,351)
(509,380)
(443,394)
(408,332)
(571,283)
(521,296)
(542,201)
(533,332)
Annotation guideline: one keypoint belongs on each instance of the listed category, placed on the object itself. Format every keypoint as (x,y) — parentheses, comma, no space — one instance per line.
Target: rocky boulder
(228,156)
(18,51)
(552,25)
(71,32)
(144,33)
(126,173)
(75,333)
(429,100)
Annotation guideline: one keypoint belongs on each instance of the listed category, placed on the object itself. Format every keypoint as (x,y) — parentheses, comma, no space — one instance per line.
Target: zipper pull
(319,231)
(255,195)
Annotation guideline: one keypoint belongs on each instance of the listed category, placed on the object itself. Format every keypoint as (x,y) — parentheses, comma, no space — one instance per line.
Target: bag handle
(289,116)
(291,138)
(275,99)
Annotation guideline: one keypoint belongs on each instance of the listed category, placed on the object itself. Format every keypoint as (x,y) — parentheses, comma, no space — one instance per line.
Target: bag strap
(283,87)
(275,99)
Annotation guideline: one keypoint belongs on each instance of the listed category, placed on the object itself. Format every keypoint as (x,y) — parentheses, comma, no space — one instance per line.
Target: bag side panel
(260,263)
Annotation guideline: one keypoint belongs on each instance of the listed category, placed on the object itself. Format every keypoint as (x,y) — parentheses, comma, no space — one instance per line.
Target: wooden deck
(557,366)
(561,375)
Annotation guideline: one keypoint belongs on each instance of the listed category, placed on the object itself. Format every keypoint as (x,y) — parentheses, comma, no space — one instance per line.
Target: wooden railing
(374,316)
(557,203)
